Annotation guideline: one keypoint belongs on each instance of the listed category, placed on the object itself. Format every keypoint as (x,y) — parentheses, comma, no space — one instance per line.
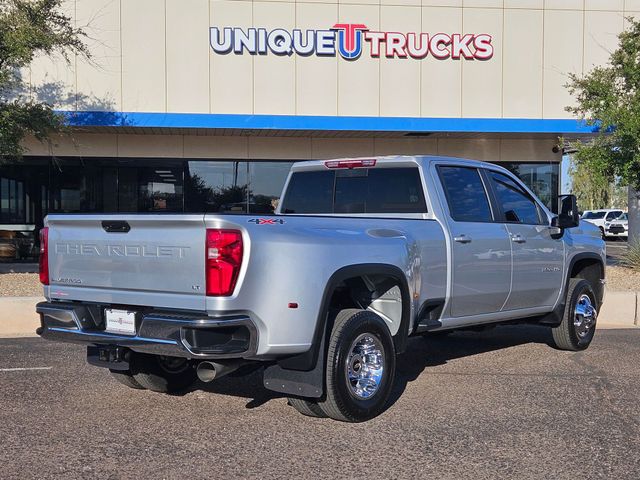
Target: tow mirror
(568,216)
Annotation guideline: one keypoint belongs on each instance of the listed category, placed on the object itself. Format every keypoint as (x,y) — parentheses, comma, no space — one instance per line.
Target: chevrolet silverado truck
(360,255)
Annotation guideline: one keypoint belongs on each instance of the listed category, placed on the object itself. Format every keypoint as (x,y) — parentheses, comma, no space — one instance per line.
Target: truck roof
(388,160)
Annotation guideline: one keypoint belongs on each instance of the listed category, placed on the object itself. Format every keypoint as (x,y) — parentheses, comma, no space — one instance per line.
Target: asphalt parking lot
(472,405)
(616,248)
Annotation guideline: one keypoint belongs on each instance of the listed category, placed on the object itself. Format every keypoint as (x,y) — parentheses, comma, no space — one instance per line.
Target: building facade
(202,105)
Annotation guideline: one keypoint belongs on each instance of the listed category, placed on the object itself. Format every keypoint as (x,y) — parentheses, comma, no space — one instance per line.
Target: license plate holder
(122,322)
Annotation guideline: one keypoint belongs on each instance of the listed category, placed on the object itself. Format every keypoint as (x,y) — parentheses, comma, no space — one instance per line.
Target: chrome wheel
(365,366)
(584,318)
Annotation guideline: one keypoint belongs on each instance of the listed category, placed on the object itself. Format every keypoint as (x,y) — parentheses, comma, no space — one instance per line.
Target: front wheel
(361,363)
(578,325)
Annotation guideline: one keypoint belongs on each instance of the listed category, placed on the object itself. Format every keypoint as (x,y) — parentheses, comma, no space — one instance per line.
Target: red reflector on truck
(44,256)
(223,257)
(362,163)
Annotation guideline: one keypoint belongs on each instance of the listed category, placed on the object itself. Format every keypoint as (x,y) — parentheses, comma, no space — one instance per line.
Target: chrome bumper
(168,334)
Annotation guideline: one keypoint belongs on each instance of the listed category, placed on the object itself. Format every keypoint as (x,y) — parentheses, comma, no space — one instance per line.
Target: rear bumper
(158,333)
(616,233)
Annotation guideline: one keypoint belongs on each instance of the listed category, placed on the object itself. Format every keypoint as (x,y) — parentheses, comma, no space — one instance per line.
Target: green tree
(608,97)
(590,188)
(30,28)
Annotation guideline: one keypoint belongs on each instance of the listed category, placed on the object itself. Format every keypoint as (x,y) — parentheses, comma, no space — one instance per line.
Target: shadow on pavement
(421,353)
(431,351)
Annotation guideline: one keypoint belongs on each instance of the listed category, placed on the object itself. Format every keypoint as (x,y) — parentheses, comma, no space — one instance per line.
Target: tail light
(44,256)
(222,261)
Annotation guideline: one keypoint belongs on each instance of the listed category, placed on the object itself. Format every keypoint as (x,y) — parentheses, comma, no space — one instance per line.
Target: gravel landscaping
(28,285)
(622,279)
(20,285)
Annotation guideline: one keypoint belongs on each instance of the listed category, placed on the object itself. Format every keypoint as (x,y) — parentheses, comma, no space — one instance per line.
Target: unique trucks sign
(349,40)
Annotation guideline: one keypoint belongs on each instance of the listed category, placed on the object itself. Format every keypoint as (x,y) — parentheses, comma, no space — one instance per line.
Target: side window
(517,205)
(465,193)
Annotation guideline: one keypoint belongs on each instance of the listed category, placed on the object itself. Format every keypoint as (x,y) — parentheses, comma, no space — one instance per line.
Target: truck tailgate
(158,260)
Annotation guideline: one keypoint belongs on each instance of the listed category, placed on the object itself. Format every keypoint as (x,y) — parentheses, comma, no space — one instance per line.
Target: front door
(538,259)
(481,249)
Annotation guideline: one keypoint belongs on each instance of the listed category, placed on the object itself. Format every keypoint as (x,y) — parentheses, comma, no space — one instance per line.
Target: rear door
(128,259)
(481,249)
(538,259)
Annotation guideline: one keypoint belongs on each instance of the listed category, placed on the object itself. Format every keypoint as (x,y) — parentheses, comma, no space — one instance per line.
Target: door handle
(518,239)
(462,239)
(116,226)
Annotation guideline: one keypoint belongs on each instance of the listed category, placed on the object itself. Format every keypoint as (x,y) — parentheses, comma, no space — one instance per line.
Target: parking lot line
(22,369)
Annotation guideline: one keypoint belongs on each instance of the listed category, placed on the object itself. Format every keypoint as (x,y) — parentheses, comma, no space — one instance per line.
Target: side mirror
(568,216)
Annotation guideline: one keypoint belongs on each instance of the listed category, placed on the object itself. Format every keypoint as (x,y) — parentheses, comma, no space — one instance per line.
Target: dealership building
(203,105)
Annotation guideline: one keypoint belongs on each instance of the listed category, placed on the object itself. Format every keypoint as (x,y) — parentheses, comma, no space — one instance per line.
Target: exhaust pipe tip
(206,371)
(209,371)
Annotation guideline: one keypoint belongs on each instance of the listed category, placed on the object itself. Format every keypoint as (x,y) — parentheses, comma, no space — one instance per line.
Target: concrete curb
(18,316)
(619,308)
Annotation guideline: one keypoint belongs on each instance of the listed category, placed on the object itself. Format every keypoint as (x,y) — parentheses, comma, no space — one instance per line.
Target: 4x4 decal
(266,221)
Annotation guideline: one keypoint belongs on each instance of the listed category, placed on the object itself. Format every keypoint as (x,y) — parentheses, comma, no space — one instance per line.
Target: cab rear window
(360,190)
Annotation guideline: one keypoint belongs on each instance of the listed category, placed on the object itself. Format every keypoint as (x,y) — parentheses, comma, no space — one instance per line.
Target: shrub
(632,257)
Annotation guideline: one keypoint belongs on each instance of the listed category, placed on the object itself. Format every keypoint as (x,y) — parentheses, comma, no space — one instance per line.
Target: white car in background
(618,227)
(600,218)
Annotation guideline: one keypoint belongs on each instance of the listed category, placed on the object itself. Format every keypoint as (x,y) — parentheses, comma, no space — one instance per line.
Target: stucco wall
(154,56)
(295,148)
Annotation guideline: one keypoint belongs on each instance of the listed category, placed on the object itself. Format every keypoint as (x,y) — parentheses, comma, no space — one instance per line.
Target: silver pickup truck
(360,255)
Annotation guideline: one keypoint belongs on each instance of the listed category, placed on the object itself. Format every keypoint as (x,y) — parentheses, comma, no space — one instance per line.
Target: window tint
(351,191)
(593,215)
(395,190)
(517,206)
(466,196)
(309,192)
(613,215)
(380,190)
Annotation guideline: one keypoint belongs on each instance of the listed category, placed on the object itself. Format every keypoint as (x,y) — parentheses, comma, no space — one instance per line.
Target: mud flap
(299,383)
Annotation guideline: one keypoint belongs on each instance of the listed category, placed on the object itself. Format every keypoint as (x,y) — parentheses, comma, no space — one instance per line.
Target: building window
(35,186)
(541,178)
(217,186)
(234,187)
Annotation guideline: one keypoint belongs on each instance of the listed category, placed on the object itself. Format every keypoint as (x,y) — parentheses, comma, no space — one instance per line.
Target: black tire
(341,403)
(162,374)
(309,408)
(568,335)
(126,378)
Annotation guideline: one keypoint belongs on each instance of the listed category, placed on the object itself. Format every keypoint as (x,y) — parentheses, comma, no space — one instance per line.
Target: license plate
(120,321)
